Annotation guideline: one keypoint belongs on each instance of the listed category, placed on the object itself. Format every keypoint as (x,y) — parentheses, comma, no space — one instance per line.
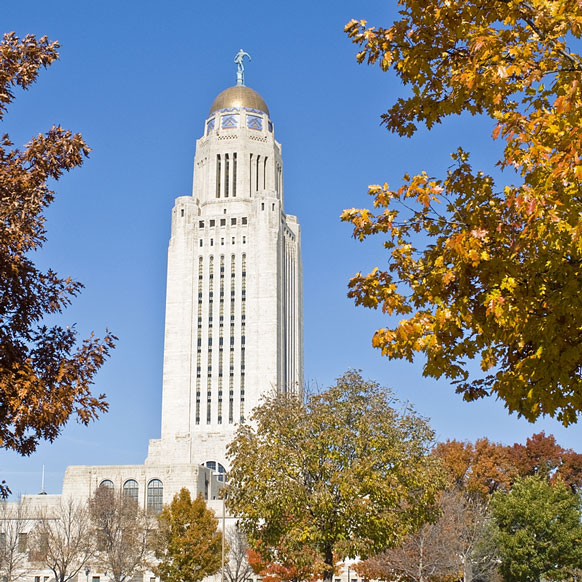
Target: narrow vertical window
(226,175)
(251,175)
(155,496)
(234,175)
(218,174)
(257,173)
(265,173)
(131,489)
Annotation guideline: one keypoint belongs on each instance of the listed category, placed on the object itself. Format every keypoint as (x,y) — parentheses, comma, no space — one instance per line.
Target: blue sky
(137,80)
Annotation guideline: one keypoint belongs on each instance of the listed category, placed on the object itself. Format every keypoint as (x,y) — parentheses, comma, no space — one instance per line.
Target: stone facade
(234,321)
(234,287)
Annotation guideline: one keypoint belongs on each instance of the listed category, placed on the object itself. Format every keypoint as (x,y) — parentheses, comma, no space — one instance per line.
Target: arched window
(155,496)
(218,470)
(130,489)
(106,483)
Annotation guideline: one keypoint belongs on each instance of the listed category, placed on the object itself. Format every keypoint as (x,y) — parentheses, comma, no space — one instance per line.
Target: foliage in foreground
(481,271)
(45,377)
(189,545)
(63,540)
(538,530)
(341,474)
(121,531)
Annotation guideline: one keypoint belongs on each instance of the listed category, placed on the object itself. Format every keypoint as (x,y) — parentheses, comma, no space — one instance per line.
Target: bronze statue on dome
(238,59)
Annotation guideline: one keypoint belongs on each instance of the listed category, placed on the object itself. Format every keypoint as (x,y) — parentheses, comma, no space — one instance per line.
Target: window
(213,223)
(201,224)
(181,212)
(217,468)
(130,489)
(233,221)
(244,220)
(22,542)
(234,175)
(223,222)
(226,175)
(155,495)
(106,483)
(218,175)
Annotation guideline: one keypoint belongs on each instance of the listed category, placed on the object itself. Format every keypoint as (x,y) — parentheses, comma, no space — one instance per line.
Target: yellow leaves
(493,275)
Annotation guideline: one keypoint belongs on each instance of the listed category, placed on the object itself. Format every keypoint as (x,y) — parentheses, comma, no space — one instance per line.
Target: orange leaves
(45,377)
(485,274)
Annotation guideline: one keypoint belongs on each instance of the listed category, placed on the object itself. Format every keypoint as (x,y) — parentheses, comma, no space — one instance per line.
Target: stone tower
(234,287)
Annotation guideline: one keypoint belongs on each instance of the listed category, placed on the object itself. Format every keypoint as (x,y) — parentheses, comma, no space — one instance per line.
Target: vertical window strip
(243,334)
(257,173)
(251,175)
(218,175)
(265,174)
(209,364)
(231,350)
(226,175)
(199,335)
(234,175)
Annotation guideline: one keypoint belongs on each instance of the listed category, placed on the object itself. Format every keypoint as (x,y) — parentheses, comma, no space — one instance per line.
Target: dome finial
(240,74)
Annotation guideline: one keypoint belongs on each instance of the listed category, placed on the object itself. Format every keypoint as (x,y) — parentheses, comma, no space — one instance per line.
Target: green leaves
(343,473)
(538,530)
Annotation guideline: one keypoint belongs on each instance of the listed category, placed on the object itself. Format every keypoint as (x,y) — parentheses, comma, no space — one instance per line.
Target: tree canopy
(121,530)
(62,540)
(189,545)
(45,375)
(343,473)
(538,530)
(484,270)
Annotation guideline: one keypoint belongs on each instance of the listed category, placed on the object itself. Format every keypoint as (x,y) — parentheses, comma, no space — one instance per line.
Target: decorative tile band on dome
(249,109)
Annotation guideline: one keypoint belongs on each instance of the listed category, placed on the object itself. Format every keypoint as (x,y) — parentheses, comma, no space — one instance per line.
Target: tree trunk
(467,570)
(329,572)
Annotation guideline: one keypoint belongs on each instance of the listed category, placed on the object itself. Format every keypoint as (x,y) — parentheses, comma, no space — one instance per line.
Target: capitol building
(234,313)
(233,328)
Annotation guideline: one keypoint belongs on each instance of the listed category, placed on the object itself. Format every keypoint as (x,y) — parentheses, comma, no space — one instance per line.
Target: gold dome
(239,96)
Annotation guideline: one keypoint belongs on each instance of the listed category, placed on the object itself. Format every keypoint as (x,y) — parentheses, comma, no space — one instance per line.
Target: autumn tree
(61,540)
(431,553)
(189,545)
(486,273)
(340,474)
(479,468)
(285,563)
(543,456)
(45,375)
(14,527)
(539,530)
(485,467)
(450,548)
(122,533)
